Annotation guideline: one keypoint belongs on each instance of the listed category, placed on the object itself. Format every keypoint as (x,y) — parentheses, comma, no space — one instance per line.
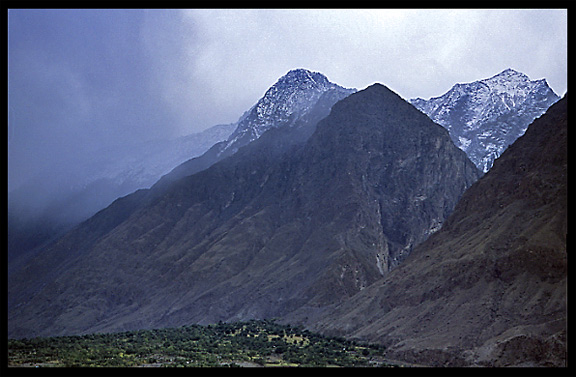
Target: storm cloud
(81,80)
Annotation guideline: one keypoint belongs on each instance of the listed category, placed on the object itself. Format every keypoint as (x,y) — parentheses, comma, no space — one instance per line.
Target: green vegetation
(253,343)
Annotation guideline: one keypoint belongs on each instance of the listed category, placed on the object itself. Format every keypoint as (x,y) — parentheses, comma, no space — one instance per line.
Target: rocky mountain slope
(489,288)
(287,227)
(484,117)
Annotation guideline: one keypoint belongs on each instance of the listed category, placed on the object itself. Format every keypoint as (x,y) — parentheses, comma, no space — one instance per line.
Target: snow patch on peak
(485,116)
(301,76)
(510,74)
(290,98)
(510,83)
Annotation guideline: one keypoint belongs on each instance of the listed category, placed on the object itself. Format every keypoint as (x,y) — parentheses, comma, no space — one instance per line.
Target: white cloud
(235,55)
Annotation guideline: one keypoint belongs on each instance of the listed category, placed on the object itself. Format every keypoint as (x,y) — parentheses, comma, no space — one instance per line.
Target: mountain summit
(484,117)
(290,98)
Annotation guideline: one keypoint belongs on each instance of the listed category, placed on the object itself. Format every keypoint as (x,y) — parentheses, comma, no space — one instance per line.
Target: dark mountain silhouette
(287,227)
(490,287)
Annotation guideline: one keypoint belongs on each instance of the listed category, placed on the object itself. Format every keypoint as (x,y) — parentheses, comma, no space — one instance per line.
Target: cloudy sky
(79,80)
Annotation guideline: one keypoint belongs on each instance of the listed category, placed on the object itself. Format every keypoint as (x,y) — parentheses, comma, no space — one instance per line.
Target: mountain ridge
(300,97)
(55,202)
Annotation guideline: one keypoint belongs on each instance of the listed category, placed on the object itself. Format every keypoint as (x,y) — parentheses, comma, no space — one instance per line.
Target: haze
(83,80)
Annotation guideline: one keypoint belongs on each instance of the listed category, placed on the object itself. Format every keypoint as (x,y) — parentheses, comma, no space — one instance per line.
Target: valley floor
(241,344)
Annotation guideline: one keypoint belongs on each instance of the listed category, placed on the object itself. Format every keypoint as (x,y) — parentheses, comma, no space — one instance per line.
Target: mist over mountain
(484,117)
(50,205)
(286,227)
(489,288)
(54,202)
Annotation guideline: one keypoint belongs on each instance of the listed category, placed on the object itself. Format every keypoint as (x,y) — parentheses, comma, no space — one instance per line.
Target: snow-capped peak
(510,83)
(485,116)
(291,97)
(301,75)
(509,75)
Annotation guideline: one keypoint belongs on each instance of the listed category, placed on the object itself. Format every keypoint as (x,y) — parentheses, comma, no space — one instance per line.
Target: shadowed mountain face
(490,287)
(284,228)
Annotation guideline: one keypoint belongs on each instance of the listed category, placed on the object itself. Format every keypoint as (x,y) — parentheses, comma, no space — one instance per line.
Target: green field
(252,344)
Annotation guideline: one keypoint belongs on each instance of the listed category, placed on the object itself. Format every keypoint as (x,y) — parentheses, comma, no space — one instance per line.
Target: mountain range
(297,100)
(484,117)
(332,208)
(284,228)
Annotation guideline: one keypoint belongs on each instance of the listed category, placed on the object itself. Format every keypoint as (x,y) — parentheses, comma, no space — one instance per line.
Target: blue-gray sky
(79,80)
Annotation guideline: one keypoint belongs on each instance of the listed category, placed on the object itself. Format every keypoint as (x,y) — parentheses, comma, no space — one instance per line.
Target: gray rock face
(401,169)
(486,116)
